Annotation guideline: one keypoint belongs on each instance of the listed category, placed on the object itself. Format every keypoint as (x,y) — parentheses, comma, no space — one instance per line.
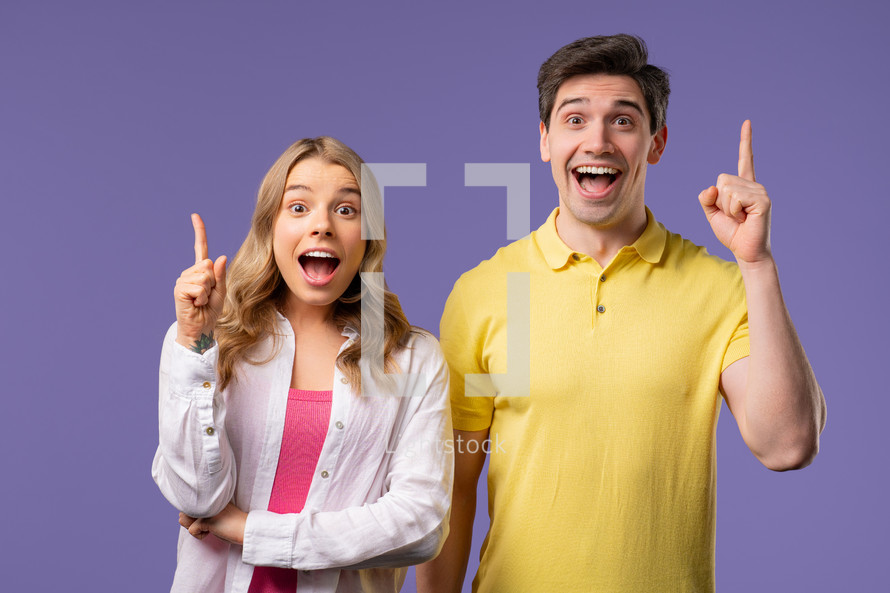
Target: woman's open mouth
(319,266)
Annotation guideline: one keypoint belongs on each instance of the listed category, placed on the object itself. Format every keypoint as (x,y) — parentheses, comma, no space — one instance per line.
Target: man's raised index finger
(200,238)
(746,153)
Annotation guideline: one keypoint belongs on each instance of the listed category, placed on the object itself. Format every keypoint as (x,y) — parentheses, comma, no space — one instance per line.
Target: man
(604,477)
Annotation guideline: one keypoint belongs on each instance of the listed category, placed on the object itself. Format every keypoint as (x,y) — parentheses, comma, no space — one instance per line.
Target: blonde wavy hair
(256,290)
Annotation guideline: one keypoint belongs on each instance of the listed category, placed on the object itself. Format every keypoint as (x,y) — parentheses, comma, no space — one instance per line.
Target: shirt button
(339,425)
(601,309)
(324,473)
(206,385)
(603,278)
(209,431)
(576,257)
(344,380)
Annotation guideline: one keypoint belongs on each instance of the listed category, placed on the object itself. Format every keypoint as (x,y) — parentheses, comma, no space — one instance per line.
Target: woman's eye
(297,208)
(346,210)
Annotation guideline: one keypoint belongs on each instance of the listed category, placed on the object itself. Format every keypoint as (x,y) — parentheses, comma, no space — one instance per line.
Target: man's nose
(597,139)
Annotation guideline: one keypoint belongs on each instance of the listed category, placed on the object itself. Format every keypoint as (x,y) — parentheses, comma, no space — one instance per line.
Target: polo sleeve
(739,345)
(462,337)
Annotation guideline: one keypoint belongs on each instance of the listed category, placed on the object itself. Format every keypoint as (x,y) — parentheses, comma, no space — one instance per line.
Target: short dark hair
(615,54)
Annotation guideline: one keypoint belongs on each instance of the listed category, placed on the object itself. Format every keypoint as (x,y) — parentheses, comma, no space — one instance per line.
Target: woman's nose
(322,225)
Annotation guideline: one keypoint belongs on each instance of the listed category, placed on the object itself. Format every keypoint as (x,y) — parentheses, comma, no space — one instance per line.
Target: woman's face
(317,237)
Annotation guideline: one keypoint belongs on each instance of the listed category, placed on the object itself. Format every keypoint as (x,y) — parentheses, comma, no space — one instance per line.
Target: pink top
(305,428)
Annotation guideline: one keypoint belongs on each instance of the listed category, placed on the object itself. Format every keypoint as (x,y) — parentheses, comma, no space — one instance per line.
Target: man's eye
(623,121)
(575,120)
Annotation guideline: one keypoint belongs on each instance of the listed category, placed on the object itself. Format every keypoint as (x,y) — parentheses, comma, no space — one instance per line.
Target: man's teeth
(597,170)
(318,254)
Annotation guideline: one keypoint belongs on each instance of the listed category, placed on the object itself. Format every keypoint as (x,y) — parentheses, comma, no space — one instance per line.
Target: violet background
(119,119)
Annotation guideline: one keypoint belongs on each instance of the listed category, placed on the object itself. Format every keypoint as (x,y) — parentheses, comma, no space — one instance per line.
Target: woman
(308,465)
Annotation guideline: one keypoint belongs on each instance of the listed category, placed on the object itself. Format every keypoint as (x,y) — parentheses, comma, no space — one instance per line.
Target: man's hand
(227,525)
(739,209)
(772,393)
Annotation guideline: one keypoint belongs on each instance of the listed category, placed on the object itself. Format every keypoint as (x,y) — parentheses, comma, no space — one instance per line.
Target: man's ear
(545,145)
(659,140)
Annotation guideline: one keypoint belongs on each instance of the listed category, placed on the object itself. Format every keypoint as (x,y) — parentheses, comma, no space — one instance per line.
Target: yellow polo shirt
(602,478)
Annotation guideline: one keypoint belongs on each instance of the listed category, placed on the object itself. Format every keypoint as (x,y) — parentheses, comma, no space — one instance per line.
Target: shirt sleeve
(407,525)
(194,465)
(463,340)
(739,346)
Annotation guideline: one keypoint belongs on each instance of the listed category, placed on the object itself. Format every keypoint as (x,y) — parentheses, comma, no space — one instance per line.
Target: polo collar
(649,246)
(556,253)
(651,243)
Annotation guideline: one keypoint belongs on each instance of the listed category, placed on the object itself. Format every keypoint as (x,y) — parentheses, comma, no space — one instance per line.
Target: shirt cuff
(269,539)
(193,375)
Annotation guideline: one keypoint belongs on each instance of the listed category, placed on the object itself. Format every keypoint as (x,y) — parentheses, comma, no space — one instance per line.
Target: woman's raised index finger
(746,153)
(200,238)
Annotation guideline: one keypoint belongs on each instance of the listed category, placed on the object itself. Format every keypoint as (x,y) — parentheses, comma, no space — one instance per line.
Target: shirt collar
(285,328)
(650,245)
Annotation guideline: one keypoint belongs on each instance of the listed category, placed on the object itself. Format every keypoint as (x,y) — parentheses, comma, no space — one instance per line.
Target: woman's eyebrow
(346,189)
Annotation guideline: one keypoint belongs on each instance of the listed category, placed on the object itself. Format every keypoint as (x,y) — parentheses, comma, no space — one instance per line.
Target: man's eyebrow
(631,104)
(571,101)
(584,101)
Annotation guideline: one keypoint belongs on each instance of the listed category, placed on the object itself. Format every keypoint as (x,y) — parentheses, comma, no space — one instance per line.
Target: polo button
(206,385)
(601,309)
(209,431)
(576,257)
(344,380)
(603,278)
(339,425)
(324,473)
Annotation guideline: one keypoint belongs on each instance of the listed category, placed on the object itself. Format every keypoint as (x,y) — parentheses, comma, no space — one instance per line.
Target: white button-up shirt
(380,497)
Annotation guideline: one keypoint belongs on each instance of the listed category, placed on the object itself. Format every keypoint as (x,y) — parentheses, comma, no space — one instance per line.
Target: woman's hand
(227,525)
(199,295)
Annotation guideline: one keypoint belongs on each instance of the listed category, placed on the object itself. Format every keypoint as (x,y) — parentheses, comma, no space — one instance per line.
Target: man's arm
(445,574)
(773,393)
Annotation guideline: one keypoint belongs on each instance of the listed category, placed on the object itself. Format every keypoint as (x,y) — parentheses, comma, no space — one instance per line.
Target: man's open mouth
(319,265)
(595,179)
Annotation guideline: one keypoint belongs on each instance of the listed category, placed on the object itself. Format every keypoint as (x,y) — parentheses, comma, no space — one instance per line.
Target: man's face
(598,146)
